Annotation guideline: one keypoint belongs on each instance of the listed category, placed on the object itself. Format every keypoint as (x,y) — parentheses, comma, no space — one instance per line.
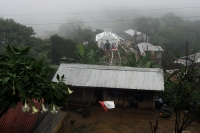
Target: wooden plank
(47,122)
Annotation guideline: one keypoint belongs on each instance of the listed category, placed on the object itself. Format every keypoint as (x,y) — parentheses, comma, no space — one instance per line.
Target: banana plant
(86,55)
(143,62)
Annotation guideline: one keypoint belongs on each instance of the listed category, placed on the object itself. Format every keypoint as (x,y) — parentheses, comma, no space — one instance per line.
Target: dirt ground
(119,121)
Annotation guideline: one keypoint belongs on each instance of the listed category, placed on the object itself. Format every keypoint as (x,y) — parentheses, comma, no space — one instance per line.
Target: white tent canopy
(107,35)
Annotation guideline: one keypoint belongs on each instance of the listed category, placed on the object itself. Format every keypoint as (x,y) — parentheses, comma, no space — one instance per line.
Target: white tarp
(109,104)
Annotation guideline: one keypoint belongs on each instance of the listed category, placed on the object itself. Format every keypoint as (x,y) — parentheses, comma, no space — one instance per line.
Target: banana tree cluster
(86,55)
(143,62)
(23,78)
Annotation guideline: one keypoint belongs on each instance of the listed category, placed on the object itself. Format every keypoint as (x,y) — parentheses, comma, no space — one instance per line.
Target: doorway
(99,95)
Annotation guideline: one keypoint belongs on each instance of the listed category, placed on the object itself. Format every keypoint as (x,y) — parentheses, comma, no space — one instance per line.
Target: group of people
(108,46)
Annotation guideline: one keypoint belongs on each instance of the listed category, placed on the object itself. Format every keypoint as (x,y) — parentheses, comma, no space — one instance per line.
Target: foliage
(11,31)
(61,47)
(18,35)
(86,55)
(160,40)
(41,50)
(170,31)
(76,30)
(71,28)
(24,79)
(144,61)
(182,90)
(147,25)
(87,35)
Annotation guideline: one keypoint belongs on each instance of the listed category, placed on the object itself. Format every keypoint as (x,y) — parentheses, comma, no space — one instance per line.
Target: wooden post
(67,109)
(154,96)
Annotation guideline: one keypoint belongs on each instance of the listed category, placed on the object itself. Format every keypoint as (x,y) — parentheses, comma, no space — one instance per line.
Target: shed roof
(145,46)
(17,121)
(132,32)
(193,58)
(112,76)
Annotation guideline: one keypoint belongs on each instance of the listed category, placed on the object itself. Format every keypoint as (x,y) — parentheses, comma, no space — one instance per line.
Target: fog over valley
(140,58)
(46,16)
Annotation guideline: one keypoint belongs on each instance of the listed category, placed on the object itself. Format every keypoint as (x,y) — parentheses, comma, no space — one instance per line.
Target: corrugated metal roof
(193,58)
(112,76)
(132,32)
(17,121)
(148,47)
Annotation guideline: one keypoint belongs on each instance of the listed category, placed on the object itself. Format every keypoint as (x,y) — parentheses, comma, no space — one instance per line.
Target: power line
(78,13)
(113,21)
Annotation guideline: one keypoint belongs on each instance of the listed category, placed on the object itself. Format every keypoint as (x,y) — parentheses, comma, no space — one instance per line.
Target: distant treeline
(169,31)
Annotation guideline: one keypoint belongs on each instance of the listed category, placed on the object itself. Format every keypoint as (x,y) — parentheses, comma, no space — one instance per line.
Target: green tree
(159,40)
(77,31)
(147,25)
(12,31)
(23,79)
(87,35)
(144,61)
(61,47)
(170,31)
(41,50)
(71,29)
(177,30)
(87,55)
(171,21)
(18,35)
(182,90)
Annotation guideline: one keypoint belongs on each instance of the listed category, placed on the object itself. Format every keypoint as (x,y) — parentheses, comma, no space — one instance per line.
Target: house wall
(149,101)
(139,38)
(156,56)
(82,95)
(119,96)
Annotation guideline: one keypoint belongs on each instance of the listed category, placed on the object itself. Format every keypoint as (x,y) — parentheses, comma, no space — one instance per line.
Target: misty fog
(46,16)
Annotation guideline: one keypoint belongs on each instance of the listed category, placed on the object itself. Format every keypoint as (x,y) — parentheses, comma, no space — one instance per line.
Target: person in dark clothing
(107,45)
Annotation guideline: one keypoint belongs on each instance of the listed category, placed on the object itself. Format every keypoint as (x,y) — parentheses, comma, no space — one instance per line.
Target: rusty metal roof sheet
(112,76)
(17,121)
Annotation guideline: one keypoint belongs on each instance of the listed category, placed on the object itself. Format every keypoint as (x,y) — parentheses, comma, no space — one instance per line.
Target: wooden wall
(119,101)
(47,122)
(82,95)
(148,101)
(93,95)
